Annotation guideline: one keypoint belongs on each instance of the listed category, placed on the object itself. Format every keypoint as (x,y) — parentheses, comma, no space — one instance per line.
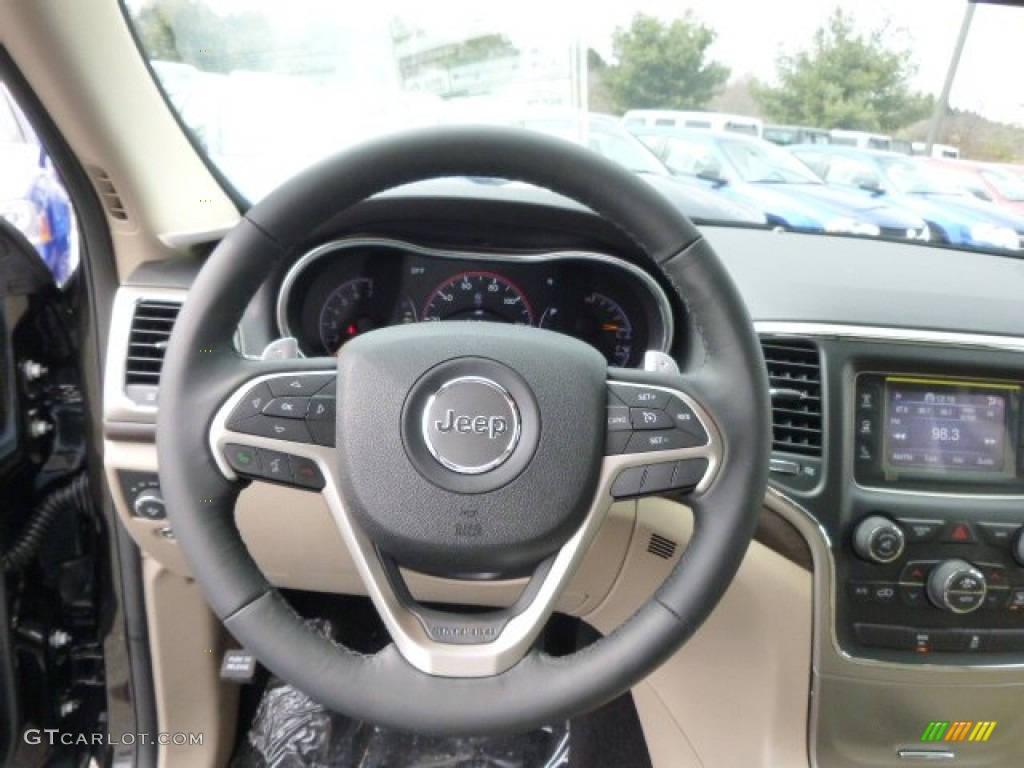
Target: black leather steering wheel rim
(202,369)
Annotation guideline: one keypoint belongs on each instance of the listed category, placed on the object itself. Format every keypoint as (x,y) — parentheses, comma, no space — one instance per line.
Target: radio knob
(957,586)
(878,539)
(150,505)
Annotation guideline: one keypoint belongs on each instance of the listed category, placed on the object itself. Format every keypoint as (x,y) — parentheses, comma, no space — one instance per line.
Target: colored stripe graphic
(958,730)
(935,731)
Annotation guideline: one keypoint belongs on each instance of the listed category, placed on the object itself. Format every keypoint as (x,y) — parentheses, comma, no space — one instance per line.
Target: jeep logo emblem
(471,425)
(492,426)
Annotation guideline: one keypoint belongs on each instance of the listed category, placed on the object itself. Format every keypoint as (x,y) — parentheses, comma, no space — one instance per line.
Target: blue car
(953,215)
(760,174)
(31,196)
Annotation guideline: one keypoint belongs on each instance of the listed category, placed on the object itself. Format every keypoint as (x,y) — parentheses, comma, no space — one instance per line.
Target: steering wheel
(469,450)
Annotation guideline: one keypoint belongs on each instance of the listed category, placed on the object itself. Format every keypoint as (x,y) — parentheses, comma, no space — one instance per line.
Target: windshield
(267,88)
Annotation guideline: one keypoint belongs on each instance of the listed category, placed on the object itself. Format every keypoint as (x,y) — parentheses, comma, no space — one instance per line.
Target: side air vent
(147,343)
(794,375)
(661,547)
(108,194)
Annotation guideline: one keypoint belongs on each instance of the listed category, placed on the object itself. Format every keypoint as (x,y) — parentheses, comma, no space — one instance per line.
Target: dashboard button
(865,451)
(689,473)
(999,534)
(300,385)
(640,397)
(1015,600)
(657,440)
(244,459)
(658,477)
(618,418)
(867,398)
(995,575)
(912,596)
(287,407)
(959,533)
(859,591)
(1005,640)
(686,420)
(884,636)
(874,592)
(628,482)
(275,466)
(252,404)
(322,432)
(916,571)
(649,418)
(866,427)
(919,530)
(293,430)
(306,473)
(974,640)
(321,408)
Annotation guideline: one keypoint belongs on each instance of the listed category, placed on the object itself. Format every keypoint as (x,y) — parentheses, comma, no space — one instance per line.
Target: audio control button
(919,529)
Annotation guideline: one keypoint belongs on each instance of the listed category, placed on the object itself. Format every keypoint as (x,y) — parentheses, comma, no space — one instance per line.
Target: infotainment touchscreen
(936,426)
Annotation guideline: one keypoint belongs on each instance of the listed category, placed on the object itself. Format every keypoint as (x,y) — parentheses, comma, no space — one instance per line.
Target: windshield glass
(267,88)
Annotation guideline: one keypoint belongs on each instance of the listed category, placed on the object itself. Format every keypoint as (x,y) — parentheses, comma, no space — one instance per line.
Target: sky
(751,33)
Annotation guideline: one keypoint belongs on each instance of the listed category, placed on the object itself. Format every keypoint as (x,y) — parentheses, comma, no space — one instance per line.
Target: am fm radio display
(946,426)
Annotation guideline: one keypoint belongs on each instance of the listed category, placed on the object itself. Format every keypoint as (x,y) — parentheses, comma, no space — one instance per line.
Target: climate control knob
(878,539)
(957,586)
(1018,548)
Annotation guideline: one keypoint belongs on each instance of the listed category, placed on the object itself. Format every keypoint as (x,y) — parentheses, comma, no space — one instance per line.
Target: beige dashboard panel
(738,693)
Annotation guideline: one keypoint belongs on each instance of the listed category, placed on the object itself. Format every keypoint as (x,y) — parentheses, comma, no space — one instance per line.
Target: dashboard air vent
(794,375)
(147,342)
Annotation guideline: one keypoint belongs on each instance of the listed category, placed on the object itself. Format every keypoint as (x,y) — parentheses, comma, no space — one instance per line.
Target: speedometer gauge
(483,296)
(346,313)
(601,322)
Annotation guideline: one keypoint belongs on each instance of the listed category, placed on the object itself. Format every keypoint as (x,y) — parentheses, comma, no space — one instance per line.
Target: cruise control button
(321,408)
(322,431)
(300,385)
(275,466)
(618,418)
(244,459)
(640,397)
(686,420)
(689,473)
(252,404)
(616,442)
(306,473)
(658,477)
(628,482)
(293,430)
(649,418)
(288,407)
(657,440)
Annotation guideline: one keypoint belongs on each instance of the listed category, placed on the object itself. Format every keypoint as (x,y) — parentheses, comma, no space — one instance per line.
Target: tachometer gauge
(347,313)
(599,321)
(483,296)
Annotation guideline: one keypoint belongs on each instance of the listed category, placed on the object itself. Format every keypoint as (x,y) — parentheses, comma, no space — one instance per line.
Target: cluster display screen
(947,427)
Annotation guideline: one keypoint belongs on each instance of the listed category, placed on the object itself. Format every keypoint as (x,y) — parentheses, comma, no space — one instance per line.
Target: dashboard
(350,286)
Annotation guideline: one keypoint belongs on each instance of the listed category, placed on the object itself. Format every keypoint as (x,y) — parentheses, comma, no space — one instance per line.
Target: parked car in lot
(31,196)
(953,215)
(986,181)
(708,121)
(606,136)
(761,174)
(783,135)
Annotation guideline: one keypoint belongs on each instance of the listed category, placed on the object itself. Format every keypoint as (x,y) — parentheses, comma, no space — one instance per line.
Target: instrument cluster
(348,287)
